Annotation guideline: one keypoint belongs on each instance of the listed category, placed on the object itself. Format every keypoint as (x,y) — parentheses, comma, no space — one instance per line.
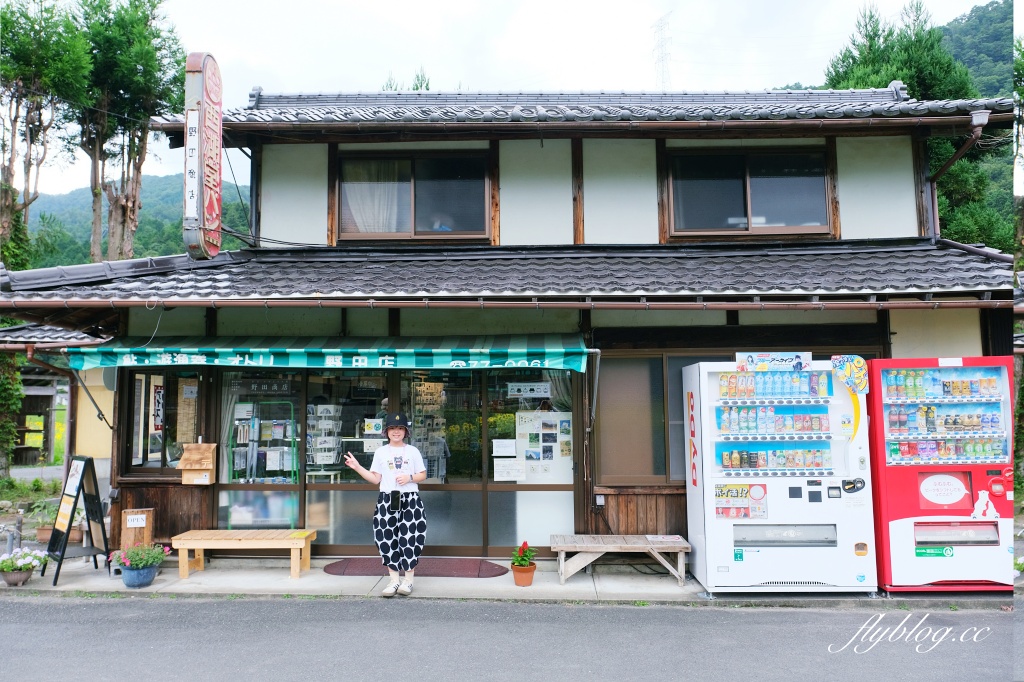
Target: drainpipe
(978,121)
(72,402)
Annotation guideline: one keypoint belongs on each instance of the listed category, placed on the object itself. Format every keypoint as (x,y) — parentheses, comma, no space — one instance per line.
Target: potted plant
(44,513)
(523,566)
(139,564)
(18,566)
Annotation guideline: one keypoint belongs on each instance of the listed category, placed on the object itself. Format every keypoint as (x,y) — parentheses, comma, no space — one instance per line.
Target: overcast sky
(483,46)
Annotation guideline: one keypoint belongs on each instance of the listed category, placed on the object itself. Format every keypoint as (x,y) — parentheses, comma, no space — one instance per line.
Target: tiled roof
(42,334)
(886,267)
(404,108)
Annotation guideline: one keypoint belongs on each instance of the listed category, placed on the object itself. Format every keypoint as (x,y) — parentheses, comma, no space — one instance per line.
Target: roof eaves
(44,278)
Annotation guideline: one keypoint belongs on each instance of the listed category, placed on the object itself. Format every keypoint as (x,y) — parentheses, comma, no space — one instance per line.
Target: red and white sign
(202,210)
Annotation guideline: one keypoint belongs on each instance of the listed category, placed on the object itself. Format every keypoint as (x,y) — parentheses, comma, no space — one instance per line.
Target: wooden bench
(591,547)
(298,541)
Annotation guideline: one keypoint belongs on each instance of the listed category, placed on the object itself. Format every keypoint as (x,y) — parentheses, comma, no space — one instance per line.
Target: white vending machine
(778,495)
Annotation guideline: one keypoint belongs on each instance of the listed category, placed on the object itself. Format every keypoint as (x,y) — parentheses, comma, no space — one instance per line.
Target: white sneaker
(390,590)
(405,589)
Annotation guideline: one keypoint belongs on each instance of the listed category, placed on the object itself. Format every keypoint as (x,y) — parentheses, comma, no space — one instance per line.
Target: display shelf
(944,400)
(804,436)
(944,435)
(723,402)
(762,473)
(264,443)
(916,461)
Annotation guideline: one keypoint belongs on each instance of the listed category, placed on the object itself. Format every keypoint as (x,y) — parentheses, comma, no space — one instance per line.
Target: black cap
(397,419)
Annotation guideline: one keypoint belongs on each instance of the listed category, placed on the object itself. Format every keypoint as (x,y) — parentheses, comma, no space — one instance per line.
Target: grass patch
(24,493)
(641,602)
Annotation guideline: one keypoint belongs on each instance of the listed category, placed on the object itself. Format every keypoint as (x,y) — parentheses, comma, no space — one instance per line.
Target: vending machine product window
(774,423)
(945,415)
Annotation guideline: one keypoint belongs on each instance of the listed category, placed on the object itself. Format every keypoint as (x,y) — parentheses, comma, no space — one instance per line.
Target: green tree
(44,62)
(1018,148)
(15,253)
(53,245)
(420,81)
(913,52)
(139,73)
(979,40)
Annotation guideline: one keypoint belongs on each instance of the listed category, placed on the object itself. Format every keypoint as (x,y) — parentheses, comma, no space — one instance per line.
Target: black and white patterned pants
(400,536)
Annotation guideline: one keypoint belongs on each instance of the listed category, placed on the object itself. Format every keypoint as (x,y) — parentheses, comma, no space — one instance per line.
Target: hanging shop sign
(203,123)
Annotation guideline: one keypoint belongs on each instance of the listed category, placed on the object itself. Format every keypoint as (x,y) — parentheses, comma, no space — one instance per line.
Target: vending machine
(779,482)
(942,431)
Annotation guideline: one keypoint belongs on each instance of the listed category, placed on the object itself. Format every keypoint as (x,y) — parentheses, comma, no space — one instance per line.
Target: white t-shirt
(389,462)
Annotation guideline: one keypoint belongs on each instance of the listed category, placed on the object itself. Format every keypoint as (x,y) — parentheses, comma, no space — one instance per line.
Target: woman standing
(399,523)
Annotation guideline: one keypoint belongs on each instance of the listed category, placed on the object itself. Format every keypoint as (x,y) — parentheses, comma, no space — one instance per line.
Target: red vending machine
(942,460)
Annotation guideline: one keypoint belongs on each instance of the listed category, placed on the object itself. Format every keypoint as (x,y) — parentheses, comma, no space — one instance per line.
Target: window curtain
(228,400)
(561,390)
(371,188)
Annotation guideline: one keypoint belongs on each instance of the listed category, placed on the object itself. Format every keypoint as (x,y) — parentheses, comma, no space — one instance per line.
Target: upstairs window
(750,193)
(428,196)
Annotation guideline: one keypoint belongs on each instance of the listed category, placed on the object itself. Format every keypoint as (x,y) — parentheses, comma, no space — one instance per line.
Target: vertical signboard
(202,207)
(81,485)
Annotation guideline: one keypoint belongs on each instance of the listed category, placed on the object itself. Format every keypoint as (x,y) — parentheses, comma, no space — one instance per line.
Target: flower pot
(138,577)
(43,534)
(17,578)
(523,575)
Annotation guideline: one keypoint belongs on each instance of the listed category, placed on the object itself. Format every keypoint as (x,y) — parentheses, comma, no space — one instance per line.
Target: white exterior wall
(875,183)
(536,192)
(620,192)
(293,194)
(936,333)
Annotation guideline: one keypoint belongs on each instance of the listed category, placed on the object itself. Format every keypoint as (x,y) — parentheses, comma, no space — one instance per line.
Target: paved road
(374,639)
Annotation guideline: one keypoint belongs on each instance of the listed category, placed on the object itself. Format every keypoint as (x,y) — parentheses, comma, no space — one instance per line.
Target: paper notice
(504,447)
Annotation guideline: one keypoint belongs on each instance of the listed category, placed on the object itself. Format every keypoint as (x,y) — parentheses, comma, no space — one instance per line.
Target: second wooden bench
(591,547)
(298,541)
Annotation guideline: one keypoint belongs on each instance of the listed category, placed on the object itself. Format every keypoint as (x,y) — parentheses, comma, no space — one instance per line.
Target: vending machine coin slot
(854,485)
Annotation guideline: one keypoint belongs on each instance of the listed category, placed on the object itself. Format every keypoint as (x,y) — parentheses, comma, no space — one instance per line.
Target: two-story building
(526,275)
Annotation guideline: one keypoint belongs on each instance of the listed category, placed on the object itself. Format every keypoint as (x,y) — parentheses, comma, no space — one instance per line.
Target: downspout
(978,121)
(72,402)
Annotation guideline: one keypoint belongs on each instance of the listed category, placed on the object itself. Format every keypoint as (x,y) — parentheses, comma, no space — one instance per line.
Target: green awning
(546,351)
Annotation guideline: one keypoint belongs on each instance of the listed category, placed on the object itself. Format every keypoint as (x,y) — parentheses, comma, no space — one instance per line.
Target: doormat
(428,567)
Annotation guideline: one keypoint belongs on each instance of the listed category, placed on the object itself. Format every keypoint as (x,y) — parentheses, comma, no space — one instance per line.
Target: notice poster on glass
(544,440)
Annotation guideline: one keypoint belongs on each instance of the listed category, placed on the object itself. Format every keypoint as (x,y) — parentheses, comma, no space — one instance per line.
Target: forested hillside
(60,224)
(982,40)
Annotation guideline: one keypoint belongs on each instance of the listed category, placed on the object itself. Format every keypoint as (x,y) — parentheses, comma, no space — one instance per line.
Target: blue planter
(138,577)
